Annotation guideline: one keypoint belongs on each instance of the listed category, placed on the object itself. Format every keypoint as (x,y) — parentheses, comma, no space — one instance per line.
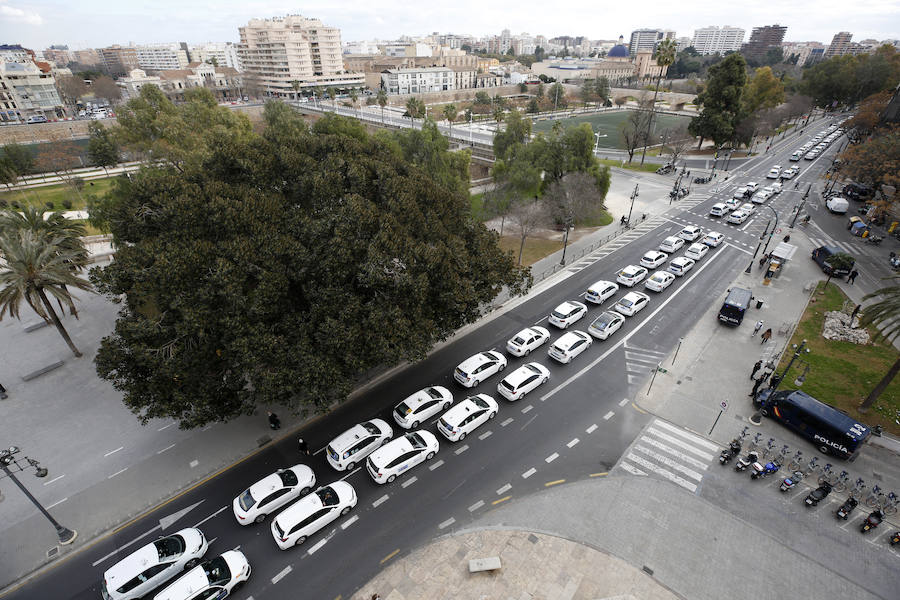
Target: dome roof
(619,51)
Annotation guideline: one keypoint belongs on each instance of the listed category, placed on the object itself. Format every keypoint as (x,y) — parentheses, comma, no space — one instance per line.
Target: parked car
(467,416)
(696,251)
(523,380)
(606,324)
(653,259)
(713,239)
(567,313)
(718,210)
(569,345)
(601,291)
(400,455)
(680,266)
(659,281)
(690,233)
(311,513)
(270,493)
(350,448)
(421,406)
(631,275)
(671,244)
(212,579)
(528,339)
(737,217)
(476,369)
(632,303)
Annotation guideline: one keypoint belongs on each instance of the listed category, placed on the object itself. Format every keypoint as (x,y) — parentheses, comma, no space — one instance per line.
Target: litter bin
(759,302)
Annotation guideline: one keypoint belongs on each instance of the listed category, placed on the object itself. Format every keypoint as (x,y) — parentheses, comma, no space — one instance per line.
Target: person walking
(756,385)
(766,335)
(756,329)
(852,276)
(274,421)
(303,446)
(756,368)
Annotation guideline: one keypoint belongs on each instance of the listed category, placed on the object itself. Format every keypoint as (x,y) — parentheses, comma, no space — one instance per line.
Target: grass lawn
(476,206)
(535,248)
(599,219)
(842,373)
(56,194)
(634,165)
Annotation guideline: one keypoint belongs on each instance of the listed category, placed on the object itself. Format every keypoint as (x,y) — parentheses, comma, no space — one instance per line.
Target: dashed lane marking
(380,501)
(506,422)
(117,473)
(164,427)
(624,402)
(476,506)
(485,435)
(447,523)
(527,408)
(504,489)
(591,429)
(461,449)
(551,458)
(349,521)
(166,448)
(57,503)
(573,442)
(317,546)
(529,473)
(436,465)
(54,479)
(111,452)
(211,516)
(409,482)
(281,574)
(350,473)
(608,416)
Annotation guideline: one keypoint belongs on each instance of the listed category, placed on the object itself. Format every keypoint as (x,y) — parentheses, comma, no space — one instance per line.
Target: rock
(837,327)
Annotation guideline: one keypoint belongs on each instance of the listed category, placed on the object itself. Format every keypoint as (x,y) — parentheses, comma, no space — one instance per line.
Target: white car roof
(354,434)
(186,585)
(681,260)
(462,410)
(715,235)
(272,482)
(634,296)
(519,375)
(697,246)
(473,362)
(567,307)
(310,503)
(719,205)
(654,254)
(142,558)
(661,275)
(398,446)
(566,340)
(632,269)
(598,285)
(415,400)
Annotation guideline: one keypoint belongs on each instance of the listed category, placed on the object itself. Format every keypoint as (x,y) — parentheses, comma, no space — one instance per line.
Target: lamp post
(762,236)
(774,227)
(800,206)
(634,195)
(756,418)
(567,224)
(597,137)
(8,462)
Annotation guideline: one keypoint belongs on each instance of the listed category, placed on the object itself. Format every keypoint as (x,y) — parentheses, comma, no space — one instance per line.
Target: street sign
(724,405)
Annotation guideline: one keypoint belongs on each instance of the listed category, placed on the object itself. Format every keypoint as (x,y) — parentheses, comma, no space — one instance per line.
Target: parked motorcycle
(872,521)
(895,261)
(791,481)
(761,471)
(702,179)
(846,508)
(734,448)
(746,461)
(818,494)
(874,240)
(665,170)
(895,538)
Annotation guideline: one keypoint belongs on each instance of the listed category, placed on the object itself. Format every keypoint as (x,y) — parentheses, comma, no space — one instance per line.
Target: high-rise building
(840,44)
(59,54)
(710,40)
(761,40)
(26,90)
(646,39)
(162,57)
(119,60)
(87,57)
(276,52)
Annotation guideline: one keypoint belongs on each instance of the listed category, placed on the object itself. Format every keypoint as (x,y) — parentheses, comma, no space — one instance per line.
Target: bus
(736,304)
(830,430)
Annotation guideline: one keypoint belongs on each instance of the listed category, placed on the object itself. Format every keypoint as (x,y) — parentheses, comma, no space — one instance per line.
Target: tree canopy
(849,78)
(721,101)
(277,267)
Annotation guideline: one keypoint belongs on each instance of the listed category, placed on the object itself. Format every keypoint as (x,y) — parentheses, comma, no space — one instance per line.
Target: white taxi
(569,345)
(421,406)
(467,416)
(523,380)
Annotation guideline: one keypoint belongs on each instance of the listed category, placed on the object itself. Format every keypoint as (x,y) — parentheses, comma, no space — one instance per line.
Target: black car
(857,191)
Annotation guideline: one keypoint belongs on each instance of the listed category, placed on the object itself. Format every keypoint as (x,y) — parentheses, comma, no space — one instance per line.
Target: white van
(837,205)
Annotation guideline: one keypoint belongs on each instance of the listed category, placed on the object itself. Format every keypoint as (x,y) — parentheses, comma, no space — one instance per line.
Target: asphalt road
(575,426)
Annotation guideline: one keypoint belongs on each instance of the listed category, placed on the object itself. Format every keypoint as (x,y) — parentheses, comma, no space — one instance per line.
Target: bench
(477,565)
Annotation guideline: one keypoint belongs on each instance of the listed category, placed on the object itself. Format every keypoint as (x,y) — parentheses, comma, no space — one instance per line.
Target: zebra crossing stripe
(690,436)
(681,455)
(663,472)
(632,469)
(672,464)
(674,440)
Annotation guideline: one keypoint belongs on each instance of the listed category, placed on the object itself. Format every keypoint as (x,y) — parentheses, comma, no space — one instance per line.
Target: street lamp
(800,206)
(756,418)
(567,224)
(634,195)
(597,136)
(8,462)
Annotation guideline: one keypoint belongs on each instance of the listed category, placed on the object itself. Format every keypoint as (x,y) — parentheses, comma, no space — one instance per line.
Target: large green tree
(103,150)
(517,131)
(277,268)
(847,79)
(721,101)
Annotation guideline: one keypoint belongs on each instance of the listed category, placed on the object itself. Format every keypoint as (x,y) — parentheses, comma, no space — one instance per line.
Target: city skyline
(90,23)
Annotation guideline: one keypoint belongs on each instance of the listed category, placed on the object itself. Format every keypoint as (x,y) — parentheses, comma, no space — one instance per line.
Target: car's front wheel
(461,437)
(446,405)
(492,415)
(414,425)
(350,466)
(300,540)
(345,511)
(259,518)
(391,478)
(430,455)
(546,379)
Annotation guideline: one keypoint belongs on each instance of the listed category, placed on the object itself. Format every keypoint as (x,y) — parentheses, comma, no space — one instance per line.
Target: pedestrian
(756,385)
(756,329)
(756,368)
(303,446)
(274,421)
(852,276)
(766,335)
(774,381)
(787,238)
(622,220)
(376,596)
(3,395)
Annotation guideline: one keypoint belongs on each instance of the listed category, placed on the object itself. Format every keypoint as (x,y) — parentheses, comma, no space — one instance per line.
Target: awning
(784,251)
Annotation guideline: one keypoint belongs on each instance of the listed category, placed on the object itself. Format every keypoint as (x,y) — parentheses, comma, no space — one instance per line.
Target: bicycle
(770,446)
(812,467)
(827,475)
(875,497)
(754,443)
(794,465)
(891,506)
(840,485)
(858,489)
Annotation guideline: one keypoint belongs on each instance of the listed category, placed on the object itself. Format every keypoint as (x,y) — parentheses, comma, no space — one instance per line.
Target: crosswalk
(623,240)
(848,247)
(670,452)
(639,362)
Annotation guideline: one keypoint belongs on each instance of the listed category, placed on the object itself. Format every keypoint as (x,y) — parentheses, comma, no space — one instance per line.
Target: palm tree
(414,108)
(54,226)
(450,113)
(35,266)
(665,56)
(354,98)
(295,84)
(382,99)
(885,316)
(498,115)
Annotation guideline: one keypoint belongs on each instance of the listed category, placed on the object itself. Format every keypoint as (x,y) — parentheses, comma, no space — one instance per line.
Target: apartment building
(418,80)
(761,40)
(647,39)
(276,52)
(26,90)
(58,54)
(222,54)
(840,44)
(224,82)
(162,57)
(712,40)
(118,60)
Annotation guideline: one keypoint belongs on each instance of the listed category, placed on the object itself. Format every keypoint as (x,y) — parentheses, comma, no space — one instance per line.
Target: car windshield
(625,302)
(533,369)
(327,495)
(658,278)
(416,440)
(371,428)
(478,402)
(403,408)
(433,392)
(288,478)
(518,340)
(559,315)
(217,571)
(246,500)
(168,547)
(627,273)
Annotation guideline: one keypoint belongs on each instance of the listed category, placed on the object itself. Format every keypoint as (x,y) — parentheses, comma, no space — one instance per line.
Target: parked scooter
(734,448)
(872,521)
(791,481)
(818,494)
(760,471)
(895,261)
(746,461)
(846,508)
(874,240)
(895,538)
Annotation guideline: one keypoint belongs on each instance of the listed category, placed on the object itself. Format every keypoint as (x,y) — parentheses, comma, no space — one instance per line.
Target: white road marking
(447,523)
(281,574)
(573,442)
(55,479)
(551,458)
(633,332)
(380,501)
(591,429)
(506,422)
(686,434)
(476,506)
(166,448)
(485,435)
(320,450)
(504,489)
(349,521)
(409,482)
(57,503)
(529,473)
(678,442)
(111,452)
(165,427)
(527,408)
(540,321)
(736,248)
(672,464)
(672,451)
(193,463)
(211,516)
(117,473)
(436,465)
(632,469)
(608,416)
(313,549)
(350,473)
(659,471)
(624,402)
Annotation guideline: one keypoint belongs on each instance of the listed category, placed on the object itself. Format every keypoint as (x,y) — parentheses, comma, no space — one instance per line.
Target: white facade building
(26,91)
(709,40)
(363,48)
(643,40)
(161,57)
(417,81)
(223,54)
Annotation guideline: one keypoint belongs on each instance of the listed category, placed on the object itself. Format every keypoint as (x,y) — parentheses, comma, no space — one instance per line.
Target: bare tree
(71,87)
(105,87)
(634,131)
(573,198)
(527,214)
(678,142)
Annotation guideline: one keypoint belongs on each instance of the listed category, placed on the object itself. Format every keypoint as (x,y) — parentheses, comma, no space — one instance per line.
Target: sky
(37,24)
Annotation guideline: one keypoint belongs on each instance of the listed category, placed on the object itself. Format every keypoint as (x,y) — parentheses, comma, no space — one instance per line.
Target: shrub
(3,203)
(67,204)
(15,204)
(49,205)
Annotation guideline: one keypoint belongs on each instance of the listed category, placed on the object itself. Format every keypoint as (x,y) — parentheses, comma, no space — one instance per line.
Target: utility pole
(800,206)
(634,195)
